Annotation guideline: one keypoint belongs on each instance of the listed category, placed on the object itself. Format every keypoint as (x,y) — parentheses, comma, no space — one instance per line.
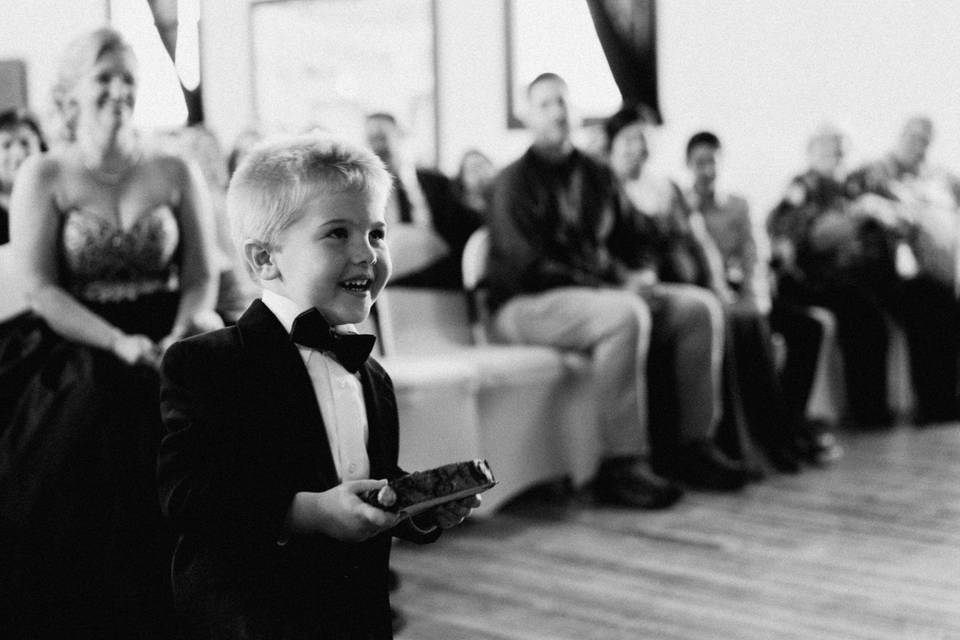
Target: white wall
(763,73)
(760,73)
(472,83)
(37,31)
(225,67)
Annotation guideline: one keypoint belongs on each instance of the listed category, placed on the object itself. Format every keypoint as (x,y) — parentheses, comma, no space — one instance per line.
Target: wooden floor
(868,549)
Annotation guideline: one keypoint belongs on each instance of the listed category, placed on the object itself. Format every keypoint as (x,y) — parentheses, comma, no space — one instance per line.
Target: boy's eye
(378,234)
(339,233)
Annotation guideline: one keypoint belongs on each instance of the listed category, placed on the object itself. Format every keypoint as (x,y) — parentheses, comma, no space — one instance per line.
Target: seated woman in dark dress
(473,183)
(20,138)
(112,244)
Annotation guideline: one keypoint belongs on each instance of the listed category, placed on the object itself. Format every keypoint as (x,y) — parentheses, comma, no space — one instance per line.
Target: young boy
(271,436)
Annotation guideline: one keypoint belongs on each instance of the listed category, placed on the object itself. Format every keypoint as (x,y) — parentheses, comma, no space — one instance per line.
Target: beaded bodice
(104,262)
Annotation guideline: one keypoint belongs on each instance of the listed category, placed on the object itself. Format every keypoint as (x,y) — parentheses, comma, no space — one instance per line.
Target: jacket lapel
(276,362)
(382,418)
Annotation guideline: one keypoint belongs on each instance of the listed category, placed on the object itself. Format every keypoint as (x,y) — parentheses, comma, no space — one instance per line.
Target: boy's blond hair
(279,176)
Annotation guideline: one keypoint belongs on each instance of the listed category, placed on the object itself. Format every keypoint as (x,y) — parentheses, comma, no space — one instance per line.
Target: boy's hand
(450,514)
(340,513)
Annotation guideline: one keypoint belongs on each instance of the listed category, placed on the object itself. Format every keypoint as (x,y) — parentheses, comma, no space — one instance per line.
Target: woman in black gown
(111,242)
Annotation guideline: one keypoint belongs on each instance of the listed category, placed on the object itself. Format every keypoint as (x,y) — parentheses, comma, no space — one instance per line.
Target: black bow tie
(351,349)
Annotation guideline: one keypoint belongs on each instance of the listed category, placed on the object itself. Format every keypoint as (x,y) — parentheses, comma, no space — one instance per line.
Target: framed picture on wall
(13,84)
(324,64)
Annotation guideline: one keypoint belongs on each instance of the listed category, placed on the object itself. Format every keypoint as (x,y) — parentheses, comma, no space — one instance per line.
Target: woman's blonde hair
(279,176)
(79,57)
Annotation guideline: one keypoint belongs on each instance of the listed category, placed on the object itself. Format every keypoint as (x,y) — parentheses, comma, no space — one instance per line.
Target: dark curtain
(165,18)
(628,34)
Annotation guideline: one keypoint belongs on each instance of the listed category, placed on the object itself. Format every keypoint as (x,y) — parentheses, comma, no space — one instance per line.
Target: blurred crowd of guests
(705,348)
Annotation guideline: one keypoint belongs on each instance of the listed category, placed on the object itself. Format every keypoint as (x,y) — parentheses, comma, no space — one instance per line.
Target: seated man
(429,225)
(562,245)
(817,261)
(775,405)
(917,206)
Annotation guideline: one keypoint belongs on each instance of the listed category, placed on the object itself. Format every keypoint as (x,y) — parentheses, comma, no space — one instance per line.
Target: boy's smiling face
(334,256)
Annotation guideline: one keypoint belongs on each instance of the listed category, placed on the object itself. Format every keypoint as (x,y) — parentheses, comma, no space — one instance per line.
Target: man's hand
(641,281)
(340,513)
(784,253)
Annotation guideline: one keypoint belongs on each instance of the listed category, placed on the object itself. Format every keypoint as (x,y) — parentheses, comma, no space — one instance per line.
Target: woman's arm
(198,276)
(704,249)
(34,229)
(754,279)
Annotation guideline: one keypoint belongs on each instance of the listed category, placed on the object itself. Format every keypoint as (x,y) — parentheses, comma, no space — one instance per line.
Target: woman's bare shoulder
(168,163)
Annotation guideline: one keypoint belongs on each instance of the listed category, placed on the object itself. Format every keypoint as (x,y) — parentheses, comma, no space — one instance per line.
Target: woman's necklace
(113,177)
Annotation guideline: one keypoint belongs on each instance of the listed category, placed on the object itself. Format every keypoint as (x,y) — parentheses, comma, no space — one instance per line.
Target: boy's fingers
(387,496)
(362,486)
(378,518)
(470,502)
(447,519)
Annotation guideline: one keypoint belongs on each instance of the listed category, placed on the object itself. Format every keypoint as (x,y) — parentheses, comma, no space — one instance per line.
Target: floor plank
(868,549)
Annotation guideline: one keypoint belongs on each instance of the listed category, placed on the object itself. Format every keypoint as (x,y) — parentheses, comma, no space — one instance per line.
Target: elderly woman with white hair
(113,247)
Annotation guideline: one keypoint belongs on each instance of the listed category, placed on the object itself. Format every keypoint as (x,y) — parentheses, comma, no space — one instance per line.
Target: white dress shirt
(339,395)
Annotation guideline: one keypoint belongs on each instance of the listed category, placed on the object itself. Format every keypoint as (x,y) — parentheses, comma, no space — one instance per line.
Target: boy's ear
(260,259)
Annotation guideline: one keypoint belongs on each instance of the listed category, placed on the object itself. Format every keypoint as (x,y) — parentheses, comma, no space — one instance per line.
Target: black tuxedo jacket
(244,435)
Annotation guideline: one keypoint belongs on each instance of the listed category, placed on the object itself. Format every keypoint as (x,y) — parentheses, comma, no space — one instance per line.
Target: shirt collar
(283,307)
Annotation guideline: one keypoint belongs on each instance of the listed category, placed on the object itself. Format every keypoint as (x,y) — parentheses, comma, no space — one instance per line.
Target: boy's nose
(363,251)
(118,88)
(17,154)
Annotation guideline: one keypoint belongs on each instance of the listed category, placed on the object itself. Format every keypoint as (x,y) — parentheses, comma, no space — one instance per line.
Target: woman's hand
(137,349)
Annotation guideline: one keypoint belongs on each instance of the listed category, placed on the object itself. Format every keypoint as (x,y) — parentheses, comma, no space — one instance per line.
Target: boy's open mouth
(357,285)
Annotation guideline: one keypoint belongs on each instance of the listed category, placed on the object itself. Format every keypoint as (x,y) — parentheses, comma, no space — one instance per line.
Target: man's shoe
(934,416)
(826,450)
(702,466)
(817,444)
(397,620)
(782,458)
(629,482)
(871,421)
